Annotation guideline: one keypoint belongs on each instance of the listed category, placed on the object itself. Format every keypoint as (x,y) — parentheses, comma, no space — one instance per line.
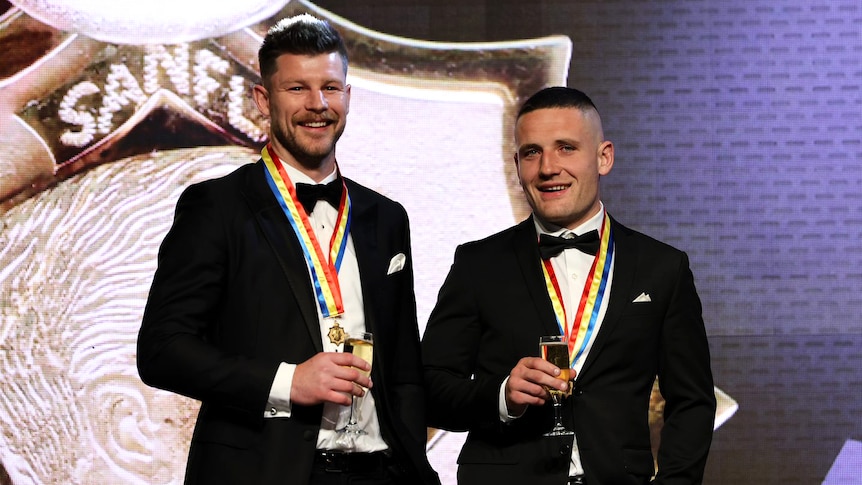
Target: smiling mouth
(553,188)
(316,124)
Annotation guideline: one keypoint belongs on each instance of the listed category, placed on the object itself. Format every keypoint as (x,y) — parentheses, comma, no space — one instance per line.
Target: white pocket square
(396,264)
(642,298)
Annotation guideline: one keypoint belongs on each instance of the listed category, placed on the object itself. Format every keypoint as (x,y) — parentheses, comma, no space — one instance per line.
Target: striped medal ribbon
(584,323)
(324,273)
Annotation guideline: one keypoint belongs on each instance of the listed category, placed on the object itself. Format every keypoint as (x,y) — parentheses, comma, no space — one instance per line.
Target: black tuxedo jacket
(491,311)
(231,299)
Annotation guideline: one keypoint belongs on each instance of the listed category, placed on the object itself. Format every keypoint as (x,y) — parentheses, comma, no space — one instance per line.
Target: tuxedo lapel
(284,243)
(369,259)
(363,230)
(526,248)
(625,264)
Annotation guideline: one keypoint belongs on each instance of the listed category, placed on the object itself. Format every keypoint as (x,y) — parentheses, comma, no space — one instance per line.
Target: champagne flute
(555,350)
(361,346)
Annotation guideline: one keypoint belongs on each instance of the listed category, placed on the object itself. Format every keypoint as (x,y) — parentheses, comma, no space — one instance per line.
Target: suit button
(309,435)
(577,391)
(565,450)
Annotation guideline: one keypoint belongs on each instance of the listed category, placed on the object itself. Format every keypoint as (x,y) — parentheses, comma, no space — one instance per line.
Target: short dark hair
(557,97)
(299,35)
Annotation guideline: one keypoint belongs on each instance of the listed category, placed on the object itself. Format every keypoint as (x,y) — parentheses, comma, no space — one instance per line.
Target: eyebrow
(567,141)
(557,142)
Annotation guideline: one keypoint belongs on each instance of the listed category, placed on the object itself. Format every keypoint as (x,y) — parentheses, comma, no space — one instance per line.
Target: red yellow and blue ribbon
(324,273)
(586,318)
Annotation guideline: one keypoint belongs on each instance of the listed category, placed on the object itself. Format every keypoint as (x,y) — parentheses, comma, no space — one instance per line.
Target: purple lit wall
(738,131)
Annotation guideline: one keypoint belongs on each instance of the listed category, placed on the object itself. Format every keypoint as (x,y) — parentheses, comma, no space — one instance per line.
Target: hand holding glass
(362,346)
(555,350)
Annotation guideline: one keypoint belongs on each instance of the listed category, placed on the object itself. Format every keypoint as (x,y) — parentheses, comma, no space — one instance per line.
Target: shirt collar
(594,222)
(298,177)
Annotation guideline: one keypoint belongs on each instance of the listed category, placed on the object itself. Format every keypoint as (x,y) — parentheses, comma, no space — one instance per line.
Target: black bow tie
(550,246)
(309,194)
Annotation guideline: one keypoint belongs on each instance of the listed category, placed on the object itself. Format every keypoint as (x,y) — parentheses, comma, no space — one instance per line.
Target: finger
(529,399)
(361,363)
(352,375)
(556,383)
(537,386)
(359,379)
(342,399)
(528,388)
(364,381)
(341,386)
(358,390)
(545,367)
(538,377)
(536,370)
(341,391)
(344,359)
(350,360)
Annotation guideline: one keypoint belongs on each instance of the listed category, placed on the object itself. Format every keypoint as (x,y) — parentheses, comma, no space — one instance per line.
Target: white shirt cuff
(278,404)
(503,409)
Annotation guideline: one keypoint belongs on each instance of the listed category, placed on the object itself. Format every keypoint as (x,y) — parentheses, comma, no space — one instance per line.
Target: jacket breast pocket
(648,308)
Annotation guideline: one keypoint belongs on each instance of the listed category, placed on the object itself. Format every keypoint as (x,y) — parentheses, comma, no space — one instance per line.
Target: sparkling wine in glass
(362,346)
(555,350)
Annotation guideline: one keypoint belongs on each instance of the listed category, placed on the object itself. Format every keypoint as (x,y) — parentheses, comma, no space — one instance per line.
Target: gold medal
(336,334)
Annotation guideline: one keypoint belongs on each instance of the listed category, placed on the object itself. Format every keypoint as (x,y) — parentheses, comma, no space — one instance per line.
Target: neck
(317,173)
(572,223)
(315,168)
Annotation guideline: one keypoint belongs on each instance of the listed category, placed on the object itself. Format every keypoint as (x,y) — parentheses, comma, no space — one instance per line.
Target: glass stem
(352,420)
(558,415)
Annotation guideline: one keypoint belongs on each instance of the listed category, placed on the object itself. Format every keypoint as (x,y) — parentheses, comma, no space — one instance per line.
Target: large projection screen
(738,134)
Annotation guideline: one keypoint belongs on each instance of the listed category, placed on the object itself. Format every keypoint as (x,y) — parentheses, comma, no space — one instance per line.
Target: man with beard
(262,277)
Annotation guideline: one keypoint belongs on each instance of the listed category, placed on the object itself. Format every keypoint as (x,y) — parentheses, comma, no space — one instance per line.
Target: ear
(605,157)
(261,99)
(517,161)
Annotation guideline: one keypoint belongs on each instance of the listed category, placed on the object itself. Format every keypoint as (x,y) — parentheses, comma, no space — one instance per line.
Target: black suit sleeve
(390,309)
(685,380)
(407,383)
(176,349)
(459,397)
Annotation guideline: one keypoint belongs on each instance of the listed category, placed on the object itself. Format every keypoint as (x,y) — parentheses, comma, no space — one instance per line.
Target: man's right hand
(525,385)
(329,377)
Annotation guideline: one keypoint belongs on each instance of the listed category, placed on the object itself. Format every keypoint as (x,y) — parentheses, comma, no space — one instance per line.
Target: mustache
(317,119)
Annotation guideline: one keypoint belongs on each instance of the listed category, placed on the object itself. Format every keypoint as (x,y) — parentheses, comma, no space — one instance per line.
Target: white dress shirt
(572,268)
(323,220)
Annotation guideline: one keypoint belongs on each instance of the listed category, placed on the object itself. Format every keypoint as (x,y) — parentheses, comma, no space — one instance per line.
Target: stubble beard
(562,213)
(306,154)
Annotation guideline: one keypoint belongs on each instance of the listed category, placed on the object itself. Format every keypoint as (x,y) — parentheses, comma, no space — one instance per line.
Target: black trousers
(333,468)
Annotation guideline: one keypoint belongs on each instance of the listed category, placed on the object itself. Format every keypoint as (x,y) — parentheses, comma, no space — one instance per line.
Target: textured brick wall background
(738,128)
